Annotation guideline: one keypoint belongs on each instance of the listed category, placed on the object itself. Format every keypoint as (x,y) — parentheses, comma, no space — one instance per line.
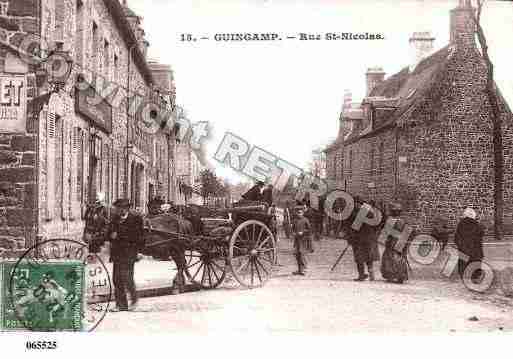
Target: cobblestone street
(324,302)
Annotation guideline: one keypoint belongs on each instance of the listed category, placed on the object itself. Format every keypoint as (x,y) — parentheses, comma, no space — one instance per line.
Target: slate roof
(404,91)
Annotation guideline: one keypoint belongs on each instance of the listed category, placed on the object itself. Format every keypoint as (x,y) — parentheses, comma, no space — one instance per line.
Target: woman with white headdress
(469,241)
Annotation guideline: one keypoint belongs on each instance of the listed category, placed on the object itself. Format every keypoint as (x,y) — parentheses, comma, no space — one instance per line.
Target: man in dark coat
(365,246)
(267,195)
(126,237)
(254,194)
(469,241)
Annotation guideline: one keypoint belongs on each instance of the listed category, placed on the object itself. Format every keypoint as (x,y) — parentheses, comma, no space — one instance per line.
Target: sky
(286,96)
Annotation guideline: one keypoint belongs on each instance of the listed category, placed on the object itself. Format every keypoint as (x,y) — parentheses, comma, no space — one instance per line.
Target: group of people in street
(124,230)
(468,239)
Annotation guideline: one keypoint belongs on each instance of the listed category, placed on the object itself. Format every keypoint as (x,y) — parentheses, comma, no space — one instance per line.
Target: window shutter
(65,169)
(85,171)
(75,190)
(50,165)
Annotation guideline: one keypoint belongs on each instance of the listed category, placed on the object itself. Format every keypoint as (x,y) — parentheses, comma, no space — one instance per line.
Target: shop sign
(97,111)
(13,103)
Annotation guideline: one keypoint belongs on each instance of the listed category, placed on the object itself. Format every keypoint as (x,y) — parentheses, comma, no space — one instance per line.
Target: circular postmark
(56,285)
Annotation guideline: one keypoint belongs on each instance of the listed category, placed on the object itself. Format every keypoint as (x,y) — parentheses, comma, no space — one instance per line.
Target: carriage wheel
(206,268)
(174,265)
(252,254)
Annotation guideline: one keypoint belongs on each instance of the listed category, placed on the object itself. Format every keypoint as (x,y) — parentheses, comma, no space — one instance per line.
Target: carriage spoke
(268,260)
(260,234)
(209,275)
(203,275)
(193,264)
(197,271)
(261,265)
(243,264)
(252,273)
(215,274)
(258,272)
(217,265)
(264,242)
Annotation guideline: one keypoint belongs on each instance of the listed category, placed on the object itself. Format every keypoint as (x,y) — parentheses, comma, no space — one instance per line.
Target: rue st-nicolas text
(341,36)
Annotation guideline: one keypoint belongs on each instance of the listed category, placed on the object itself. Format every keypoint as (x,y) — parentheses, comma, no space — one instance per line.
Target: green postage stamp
(41,296)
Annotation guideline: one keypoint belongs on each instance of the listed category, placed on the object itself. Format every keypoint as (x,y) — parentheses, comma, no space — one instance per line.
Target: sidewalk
(152,278)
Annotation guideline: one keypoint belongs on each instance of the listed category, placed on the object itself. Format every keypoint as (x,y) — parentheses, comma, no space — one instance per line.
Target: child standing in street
(302,230)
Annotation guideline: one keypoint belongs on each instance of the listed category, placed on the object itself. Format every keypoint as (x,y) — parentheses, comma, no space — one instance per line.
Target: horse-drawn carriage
(206,244)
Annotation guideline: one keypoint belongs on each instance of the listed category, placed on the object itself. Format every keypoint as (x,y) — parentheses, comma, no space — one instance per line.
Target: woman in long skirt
(394,265)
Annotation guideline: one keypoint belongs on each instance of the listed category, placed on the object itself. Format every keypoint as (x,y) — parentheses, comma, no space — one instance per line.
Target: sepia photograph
(256,169)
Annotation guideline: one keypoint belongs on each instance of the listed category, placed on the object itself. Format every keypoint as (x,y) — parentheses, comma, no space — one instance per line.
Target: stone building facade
(69,140)
(188,169)
(423,136)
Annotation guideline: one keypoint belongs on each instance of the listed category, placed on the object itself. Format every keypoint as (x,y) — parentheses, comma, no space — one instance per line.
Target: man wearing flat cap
(126,237)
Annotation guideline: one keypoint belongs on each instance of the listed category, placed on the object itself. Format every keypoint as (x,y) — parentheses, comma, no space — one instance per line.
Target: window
(94,52)
(106,171)
(78,190)
(381,157)
(59,167)
(3,8)
(350,165)
(106,60)
(59,21)
(51,150)
(116,70)
(371,162)
(79,34)
(117,184)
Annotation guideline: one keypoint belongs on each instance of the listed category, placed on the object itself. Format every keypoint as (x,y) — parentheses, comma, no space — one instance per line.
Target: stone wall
(368,162)
(42,189)
(18,190)
(444,154)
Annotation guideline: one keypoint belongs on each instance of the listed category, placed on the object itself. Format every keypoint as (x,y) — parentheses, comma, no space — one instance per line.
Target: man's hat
(122,203)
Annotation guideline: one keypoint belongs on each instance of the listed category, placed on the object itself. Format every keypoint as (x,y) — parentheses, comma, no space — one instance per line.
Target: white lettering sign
(13,103)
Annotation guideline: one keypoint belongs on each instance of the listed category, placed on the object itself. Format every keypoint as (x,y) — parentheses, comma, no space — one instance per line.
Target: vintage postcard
(273,167)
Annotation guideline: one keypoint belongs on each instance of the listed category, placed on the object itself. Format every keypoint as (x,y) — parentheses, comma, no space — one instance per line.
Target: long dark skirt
(394,266)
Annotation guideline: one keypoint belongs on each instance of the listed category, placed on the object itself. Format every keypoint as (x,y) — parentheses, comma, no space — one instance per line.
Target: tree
(211,185)
(208,182)
(496,118)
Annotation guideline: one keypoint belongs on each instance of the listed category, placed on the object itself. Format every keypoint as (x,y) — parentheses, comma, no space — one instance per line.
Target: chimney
(343,124)
(348,98)
(374,76)
(462,27)
(421,46)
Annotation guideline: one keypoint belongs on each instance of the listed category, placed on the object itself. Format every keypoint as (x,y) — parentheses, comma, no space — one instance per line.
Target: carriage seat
(217,227)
